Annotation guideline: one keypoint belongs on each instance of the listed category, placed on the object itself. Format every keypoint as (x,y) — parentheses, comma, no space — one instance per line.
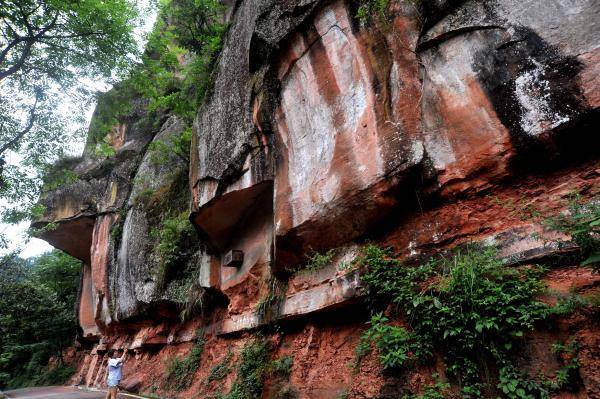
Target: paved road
(54,393)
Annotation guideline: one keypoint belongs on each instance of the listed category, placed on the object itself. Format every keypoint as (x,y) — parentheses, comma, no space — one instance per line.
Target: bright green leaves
(162,151)
(173,236)
(467,307)
(252,371)
(176,68)
(396,345)
(50,50)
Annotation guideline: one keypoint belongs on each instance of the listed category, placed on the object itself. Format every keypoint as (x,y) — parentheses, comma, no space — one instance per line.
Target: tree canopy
(49,49)
(37,318)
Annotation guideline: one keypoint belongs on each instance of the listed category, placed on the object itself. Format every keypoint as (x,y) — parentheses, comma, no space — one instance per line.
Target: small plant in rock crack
(252,371)
(282,367)
(439,390)
(567,377)
(469,308)
(317,261)
(172,237)
(370,9)
(222,369)
(582,222)
(267,307)
(180,372)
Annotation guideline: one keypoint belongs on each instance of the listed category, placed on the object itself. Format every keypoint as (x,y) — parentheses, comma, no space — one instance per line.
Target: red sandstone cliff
(443,126)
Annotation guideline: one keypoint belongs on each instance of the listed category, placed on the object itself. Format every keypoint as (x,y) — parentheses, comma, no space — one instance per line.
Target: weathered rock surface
(458,122)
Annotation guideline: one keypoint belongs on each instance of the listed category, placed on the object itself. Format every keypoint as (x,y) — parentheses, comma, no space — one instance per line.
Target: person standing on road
(115,372)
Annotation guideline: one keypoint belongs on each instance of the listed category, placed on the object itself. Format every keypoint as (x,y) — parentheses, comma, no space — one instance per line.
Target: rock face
(440,125)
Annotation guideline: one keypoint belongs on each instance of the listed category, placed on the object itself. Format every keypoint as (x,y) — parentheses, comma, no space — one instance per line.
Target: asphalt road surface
(54,393)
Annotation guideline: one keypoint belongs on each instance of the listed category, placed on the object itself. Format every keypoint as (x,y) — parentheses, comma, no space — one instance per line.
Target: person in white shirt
(115,372)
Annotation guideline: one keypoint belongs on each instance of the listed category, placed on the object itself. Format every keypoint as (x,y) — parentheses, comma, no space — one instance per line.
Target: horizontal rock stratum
(447,123)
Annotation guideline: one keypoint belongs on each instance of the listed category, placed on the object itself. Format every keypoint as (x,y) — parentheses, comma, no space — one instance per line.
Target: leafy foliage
(282,367)
(36,317)
(173,237)
(371,9)
(439,390)
(469,308)
(568,375)
(222,369)
(161,151)
(252,371)
(583,224)
(45,54)
(180,372)
(177,66)
(317,261)
(396,345)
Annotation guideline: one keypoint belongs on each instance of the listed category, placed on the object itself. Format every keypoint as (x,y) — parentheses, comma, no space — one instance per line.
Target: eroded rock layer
(443,124)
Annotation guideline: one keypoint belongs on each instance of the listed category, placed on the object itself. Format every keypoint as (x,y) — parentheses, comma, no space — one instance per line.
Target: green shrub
(568,304)
(316,261)
(222,369)
(582,223)
(184,28)
(252,370)
(469,308)
(37,321)
(370,9)
(58,375)
(567,377)
(173,238)
(161,151)
(396,345)
(180,372)
(439,390)
(282,367)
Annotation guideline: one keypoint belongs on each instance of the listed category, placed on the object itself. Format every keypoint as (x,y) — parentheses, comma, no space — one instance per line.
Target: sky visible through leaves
(17,234)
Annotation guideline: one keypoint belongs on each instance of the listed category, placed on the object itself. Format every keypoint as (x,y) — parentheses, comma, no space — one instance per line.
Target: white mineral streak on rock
(411,248)
(533,93)
(125,301)
(309,121)
(447,72)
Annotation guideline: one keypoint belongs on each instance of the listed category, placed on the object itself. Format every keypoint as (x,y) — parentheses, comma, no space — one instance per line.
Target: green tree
(48,48)
(37,320)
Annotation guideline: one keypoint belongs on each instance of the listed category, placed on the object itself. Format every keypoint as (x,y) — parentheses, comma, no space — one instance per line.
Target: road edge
(127,394)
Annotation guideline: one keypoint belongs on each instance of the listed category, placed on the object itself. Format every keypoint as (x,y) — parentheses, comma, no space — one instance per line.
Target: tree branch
(29,43)
(18,63)
(12,142)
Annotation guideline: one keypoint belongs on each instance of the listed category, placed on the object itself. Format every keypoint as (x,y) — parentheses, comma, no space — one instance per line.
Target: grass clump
(180,372)
(317,261)
(469,308)
(268,306)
